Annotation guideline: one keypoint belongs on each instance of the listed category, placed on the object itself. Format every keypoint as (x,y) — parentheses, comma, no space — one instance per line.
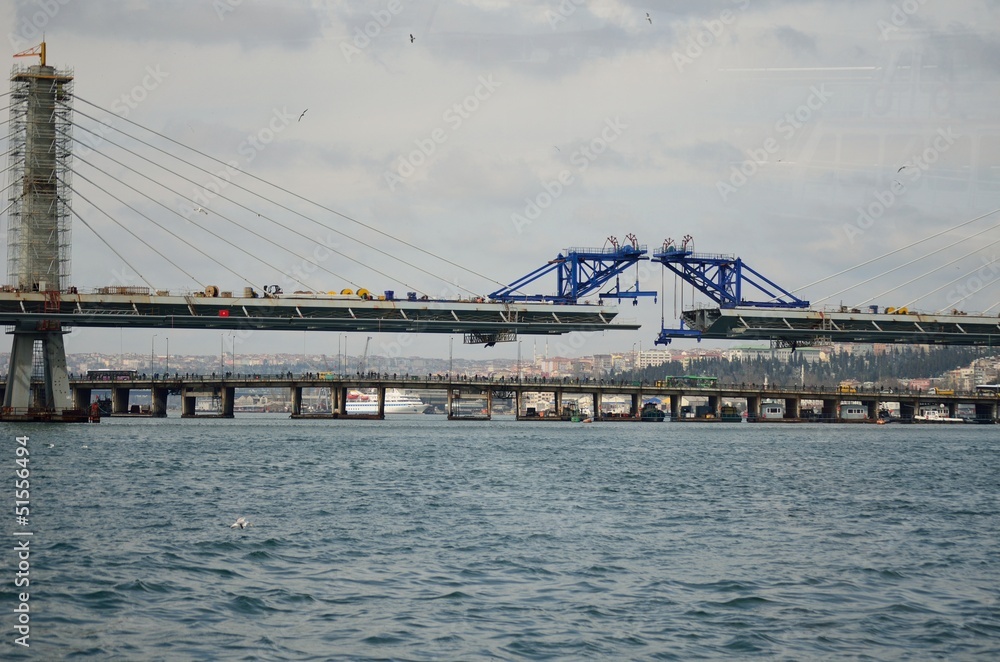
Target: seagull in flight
(302,115)
(200,209)
(240,523)
(649,18)
(903,167)
(412,38)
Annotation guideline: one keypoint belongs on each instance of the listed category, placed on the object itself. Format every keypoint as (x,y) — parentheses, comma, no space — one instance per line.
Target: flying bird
(649,18)
(302,115)
(412,38)
(200,209)
(901,168)
(240,523)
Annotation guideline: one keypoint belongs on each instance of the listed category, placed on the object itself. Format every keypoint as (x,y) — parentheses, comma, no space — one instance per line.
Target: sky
(451,147)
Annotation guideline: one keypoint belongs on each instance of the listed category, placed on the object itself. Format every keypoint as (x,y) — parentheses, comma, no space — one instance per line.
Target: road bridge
(865,405)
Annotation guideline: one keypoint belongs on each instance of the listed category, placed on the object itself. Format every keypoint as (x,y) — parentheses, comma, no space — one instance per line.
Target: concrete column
(907,410)
(598,403)
(634,413)
(557,398)
(381,402)
(753,407)
(793,408)
(448,407)
(296,393)
(986,411)
(56,379)
(831,409)
(489,403)
(158,402)
(873,407)
(675,407)
(952,409)
(228,400)
(713,406)
(18,393)
(188,403)
(119,400)
(81,398)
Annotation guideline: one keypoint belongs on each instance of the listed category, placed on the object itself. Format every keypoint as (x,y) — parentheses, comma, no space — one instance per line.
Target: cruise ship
(396,402)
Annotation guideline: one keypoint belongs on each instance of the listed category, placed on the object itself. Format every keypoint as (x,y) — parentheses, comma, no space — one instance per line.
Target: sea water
(421,539)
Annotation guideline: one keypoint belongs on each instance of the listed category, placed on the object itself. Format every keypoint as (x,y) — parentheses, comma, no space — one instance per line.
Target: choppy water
(415,538)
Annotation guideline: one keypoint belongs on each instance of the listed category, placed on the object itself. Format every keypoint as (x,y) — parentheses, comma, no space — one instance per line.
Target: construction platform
(486,320)
(802,327)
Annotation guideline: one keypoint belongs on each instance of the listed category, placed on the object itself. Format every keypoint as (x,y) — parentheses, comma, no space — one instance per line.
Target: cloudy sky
(469,142)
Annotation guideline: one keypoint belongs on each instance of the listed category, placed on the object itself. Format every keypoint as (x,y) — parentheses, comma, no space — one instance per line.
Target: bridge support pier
(952,409)
(55,397)
(119,400)
(793,408)
(986,412)
(873,407)
(158,402)
(753,407)
(597,405)
(831,407)
(713,406)
(228,400)
(381,402)
(296,400)
(907,410)
(188,405)
(675,407)
(81,398)
(634,412)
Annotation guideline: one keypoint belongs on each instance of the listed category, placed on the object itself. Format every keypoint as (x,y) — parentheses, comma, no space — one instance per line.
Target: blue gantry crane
(581,272)
(725,279)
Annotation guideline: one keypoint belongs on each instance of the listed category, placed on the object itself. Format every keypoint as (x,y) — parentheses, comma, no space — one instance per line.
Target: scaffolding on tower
(38,180)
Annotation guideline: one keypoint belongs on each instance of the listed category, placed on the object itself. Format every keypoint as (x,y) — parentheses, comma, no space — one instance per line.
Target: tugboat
(650,412)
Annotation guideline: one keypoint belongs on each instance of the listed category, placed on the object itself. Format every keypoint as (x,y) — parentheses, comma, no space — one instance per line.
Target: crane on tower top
(38,51)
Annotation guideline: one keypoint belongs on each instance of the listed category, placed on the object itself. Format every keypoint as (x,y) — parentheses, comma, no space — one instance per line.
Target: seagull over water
(649,18)
(302,115)
(412,38)
(200,209)
(240,523)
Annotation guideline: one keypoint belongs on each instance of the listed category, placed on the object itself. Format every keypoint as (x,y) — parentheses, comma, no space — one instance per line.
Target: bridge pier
(713,406)
(188,405)
(753,407)
(119,400)
(296,393)
(81,397)
(158,402)
(228,400)
(986,412)
(907,410)
(597,406)
(793,408)
(53,397)
(831,409)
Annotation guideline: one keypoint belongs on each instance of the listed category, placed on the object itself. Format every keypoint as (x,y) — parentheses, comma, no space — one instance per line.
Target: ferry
(936,416)
(396,402)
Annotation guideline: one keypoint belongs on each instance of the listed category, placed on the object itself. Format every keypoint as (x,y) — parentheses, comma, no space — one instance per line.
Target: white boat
(936,416)
(396,402)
